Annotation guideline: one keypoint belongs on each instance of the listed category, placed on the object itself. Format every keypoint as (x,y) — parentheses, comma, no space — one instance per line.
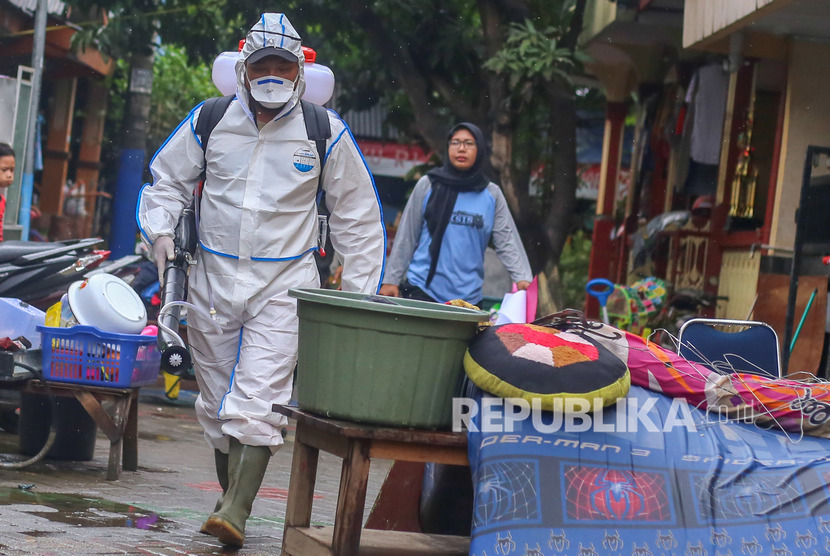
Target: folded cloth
(18,344)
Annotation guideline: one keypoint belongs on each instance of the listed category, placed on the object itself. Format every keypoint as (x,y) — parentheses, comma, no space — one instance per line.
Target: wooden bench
(120,424)
(357,444)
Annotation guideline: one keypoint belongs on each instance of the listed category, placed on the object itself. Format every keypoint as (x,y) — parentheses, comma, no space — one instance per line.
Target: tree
(504,64)
(133,30)
(178,85)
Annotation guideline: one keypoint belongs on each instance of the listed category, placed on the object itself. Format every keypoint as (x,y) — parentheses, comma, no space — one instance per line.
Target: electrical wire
(53,427)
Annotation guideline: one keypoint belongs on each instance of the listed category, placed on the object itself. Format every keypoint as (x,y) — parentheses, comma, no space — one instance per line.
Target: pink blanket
(794,406)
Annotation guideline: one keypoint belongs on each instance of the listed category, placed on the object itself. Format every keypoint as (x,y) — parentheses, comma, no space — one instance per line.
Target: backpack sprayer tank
(319,79)
(175,359)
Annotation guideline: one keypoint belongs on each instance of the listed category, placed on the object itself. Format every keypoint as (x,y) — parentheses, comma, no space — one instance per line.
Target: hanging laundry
(707,99)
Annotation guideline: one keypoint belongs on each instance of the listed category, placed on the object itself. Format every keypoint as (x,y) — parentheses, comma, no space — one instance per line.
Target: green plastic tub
(380,360)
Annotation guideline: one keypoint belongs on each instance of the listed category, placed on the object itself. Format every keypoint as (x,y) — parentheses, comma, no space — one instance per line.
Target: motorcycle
(41,272)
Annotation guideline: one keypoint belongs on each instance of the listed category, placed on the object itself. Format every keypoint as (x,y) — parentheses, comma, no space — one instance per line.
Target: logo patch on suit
(304,159)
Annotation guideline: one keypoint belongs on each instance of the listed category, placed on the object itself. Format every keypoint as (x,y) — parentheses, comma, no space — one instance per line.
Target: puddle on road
(77,510)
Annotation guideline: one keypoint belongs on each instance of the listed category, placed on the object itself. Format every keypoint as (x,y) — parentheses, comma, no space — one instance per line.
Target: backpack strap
(318,129)
(317,125)
(212,111)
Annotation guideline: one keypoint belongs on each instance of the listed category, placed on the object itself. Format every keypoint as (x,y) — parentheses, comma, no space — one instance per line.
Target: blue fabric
(460,270)
(724,488)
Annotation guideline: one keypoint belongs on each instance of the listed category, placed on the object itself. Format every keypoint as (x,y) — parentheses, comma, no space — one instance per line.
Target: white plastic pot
(108,303)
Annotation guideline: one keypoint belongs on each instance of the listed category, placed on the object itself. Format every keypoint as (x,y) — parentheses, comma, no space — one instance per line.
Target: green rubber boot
(222,474)
(246,469)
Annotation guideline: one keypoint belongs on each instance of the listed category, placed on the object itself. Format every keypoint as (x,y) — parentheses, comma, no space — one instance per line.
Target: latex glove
(390,289)
(163,250)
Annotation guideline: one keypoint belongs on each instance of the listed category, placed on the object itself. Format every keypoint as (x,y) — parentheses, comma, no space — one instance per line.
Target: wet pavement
(68,507)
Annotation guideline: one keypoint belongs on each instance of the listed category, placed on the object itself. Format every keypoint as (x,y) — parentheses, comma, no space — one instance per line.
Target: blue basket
(86,355)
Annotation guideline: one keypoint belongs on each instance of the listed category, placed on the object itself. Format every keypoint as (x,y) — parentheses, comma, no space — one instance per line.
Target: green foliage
(118,28)
(573,269)
(178,86)
(532,54)
(429,63)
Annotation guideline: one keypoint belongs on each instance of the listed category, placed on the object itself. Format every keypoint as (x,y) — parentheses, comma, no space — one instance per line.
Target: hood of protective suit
(273,30)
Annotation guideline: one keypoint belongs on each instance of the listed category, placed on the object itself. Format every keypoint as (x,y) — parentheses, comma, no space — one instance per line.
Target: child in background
(6,178)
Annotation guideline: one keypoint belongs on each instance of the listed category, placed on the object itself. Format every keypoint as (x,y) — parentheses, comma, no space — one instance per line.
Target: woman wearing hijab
(450,218)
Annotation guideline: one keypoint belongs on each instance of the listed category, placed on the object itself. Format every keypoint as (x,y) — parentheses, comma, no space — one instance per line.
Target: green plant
(573,269)
(535,53)
(178,86)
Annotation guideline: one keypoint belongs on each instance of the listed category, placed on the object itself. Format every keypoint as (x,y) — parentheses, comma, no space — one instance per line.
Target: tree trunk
(493,19)
(399,60)
(559,220)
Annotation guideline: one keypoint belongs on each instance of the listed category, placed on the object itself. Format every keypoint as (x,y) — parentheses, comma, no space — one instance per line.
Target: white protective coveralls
(258,230)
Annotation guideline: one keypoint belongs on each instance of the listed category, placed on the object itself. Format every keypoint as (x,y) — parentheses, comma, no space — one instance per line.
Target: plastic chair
(753,348)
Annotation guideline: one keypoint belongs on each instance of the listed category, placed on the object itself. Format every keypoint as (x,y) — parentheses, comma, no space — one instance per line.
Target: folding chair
(751,347)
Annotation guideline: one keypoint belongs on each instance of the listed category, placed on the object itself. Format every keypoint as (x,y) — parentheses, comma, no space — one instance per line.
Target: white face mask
(271,91)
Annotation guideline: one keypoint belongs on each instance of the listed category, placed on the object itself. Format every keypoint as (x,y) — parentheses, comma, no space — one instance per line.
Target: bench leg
(113,426)
(351,498)
(130,462)
(114,465)
(301,486)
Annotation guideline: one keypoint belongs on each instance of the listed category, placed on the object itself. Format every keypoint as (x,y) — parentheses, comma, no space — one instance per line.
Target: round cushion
(538,362)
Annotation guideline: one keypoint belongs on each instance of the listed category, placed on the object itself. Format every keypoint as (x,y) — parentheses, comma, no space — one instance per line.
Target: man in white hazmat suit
(258,230)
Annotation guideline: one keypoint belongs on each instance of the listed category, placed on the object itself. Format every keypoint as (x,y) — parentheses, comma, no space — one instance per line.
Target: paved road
(59,507)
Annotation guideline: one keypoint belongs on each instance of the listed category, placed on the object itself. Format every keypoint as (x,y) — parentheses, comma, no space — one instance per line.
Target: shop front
(724,122)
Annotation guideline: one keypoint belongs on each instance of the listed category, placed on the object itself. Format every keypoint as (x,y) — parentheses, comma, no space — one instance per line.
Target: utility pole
(133,150)
(28,183)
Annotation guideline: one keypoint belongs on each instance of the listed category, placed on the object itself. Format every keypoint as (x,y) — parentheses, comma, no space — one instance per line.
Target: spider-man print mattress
(723,488)
(656,474)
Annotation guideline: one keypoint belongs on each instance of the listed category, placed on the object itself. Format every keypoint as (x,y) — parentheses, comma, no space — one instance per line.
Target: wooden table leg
(113,426)
(351,498)
(117,440)
(130,462)
(301,485)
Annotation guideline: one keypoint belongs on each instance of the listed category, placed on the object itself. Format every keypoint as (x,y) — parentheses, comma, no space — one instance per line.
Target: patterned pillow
(529,361)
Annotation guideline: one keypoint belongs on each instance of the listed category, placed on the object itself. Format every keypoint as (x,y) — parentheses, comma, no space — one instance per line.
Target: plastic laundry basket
(381,360)
(86,355)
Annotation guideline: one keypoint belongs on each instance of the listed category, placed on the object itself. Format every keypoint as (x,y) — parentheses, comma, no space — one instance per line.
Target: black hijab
(447,181)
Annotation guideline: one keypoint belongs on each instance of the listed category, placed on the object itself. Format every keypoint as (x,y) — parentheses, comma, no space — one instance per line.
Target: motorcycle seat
(13,249)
